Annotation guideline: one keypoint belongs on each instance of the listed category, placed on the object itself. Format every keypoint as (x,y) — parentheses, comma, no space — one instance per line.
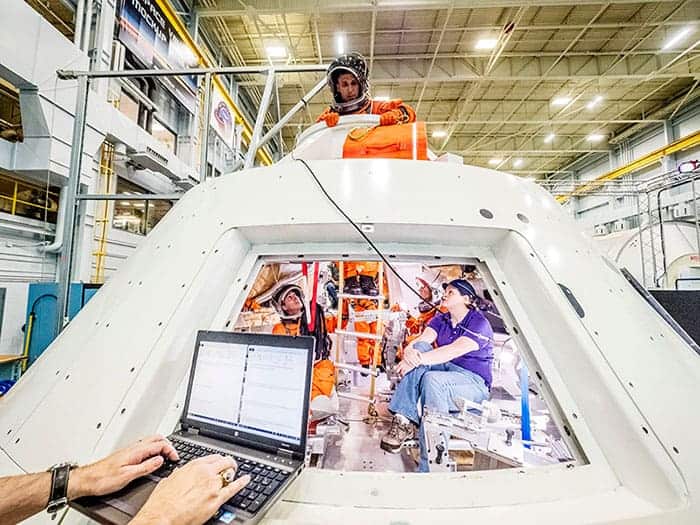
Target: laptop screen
(252,387)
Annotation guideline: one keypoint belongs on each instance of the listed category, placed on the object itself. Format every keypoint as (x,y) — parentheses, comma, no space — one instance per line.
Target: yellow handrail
(656,155)
(174,19)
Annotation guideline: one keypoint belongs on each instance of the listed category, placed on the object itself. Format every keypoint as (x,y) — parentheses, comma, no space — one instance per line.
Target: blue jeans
(437,387)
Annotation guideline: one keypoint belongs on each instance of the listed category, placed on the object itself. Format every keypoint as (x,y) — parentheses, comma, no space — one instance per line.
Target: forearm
(25,495)
(445,353)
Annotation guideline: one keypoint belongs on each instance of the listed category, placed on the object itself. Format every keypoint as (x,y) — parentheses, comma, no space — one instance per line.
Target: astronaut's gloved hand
(329,117)
(395,116)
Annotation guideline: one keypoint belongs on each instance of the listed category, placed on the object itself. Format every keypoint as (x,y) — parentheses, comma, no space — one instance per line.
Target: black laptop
(248,397)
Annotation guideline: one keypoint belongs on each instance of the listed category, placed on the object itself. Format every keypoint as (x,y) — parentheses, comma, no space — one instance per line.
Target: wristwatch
(58,497)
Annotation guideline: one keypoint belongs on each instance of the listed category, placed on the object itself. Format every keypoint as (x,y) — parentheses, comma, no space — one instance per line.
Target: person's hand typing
(121,467)
(191,494)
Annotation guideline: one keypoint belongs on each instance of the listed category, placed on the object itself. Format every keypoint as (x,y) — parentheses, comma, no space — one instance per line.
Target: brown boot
(397,436)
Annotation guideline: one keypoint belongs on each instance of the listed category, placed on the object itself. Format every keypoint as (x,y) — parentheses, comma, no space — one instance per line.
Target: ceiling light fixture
(595,137)
(549,138)
(340,43)
(439,134)
(484,44)
(276,51)
(593,103)
(677,38)
(517,163)
(561,101)
(495,162)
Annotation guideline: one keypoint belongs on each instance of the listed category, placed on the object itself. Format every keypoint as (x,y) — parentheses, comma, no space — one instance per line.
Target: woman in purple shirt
(450,360)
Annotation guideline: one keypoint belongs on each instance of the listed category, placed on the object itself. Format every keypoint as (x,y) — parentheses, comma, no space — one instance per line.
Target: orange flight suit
(353,269)
(365,347)
(323,378)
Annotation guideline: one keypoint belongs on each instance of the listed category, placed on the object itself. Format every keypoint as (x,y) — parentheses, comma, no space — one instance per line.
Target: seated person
(289,302)
(459,367)
(293,321)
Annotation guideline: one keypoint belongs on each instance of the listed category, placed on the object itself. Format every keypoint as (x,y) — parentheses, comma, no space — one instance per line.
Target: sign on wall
(222,119)
(147,33)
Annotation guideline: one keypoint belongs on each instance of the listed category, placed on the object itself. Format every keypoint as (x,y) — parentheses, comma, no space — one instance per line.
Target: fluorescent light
(593,103)
(274,51)
(676,38)
(495,162)
(486,43)
(561,101)
(439,134)
(549,138)
(595,137)
(340,43)
(382,98)
(517,163)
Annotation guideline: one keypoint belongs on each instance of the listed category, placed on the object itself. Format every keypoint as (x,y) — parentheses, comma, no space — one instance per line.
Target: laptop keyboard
(264,479)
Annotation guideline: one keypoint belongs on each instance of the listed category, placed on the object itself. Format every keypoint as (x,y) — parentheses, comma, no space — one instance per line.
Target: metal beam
(400,70)
(204,144)
(76,162)
(520,122)
(228,8)
(129,196)
(260,120)
(66,74)
(470,28)
(525,152)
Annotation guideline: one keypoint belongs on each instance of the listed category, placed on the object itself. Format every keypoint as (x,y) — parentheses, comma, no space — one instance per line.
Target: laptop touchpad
(130,499)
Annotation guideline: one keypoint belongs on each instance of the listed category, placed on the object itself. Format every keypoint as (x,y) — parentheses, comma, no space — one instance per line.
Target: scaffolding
(648,195)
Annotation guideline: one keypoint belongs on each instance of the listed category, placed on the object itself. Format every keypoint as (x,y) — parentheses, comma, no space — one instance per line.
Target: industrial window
(164,135)
(137,216)
(28,200)
(129,107)
(10,115)
(350,399)
(58,13)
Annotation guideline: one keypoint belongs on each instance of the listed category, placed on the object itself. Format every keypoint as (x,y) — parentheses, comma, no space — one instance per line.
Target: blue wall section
(42,302)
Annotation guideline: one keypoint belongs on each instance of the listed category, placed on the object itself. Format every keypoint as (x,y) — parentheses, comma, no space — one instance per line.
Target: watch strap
(58,497)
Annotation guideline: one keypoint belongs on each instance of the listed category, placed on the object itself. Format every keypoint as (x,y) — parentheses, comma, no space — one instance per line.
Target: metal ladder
(651,250)
(373,371)
(102,216)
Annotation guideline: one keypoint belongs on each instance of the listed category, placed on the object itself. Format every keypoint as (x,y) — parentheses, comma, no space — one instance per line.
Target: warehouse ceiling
(526,87)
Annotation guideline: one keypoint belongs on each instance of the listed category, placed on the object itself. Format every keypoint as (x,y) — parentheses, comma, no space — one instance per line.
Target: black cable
(359,230)
(31,310)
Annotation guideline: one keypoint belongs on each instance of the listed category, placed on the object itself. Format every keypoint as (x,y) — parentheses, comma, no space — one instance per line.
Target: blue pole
(524,404)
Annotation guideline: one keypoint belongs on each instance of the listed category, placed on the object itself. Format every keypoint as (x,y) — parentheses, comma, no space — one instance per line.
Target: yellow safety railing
(648,159)
(14,192)
(102,216)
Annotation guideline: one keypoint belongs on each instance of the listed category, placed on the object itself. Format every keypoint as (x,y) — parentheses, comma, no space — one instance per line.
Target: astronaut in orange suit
(347,78)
